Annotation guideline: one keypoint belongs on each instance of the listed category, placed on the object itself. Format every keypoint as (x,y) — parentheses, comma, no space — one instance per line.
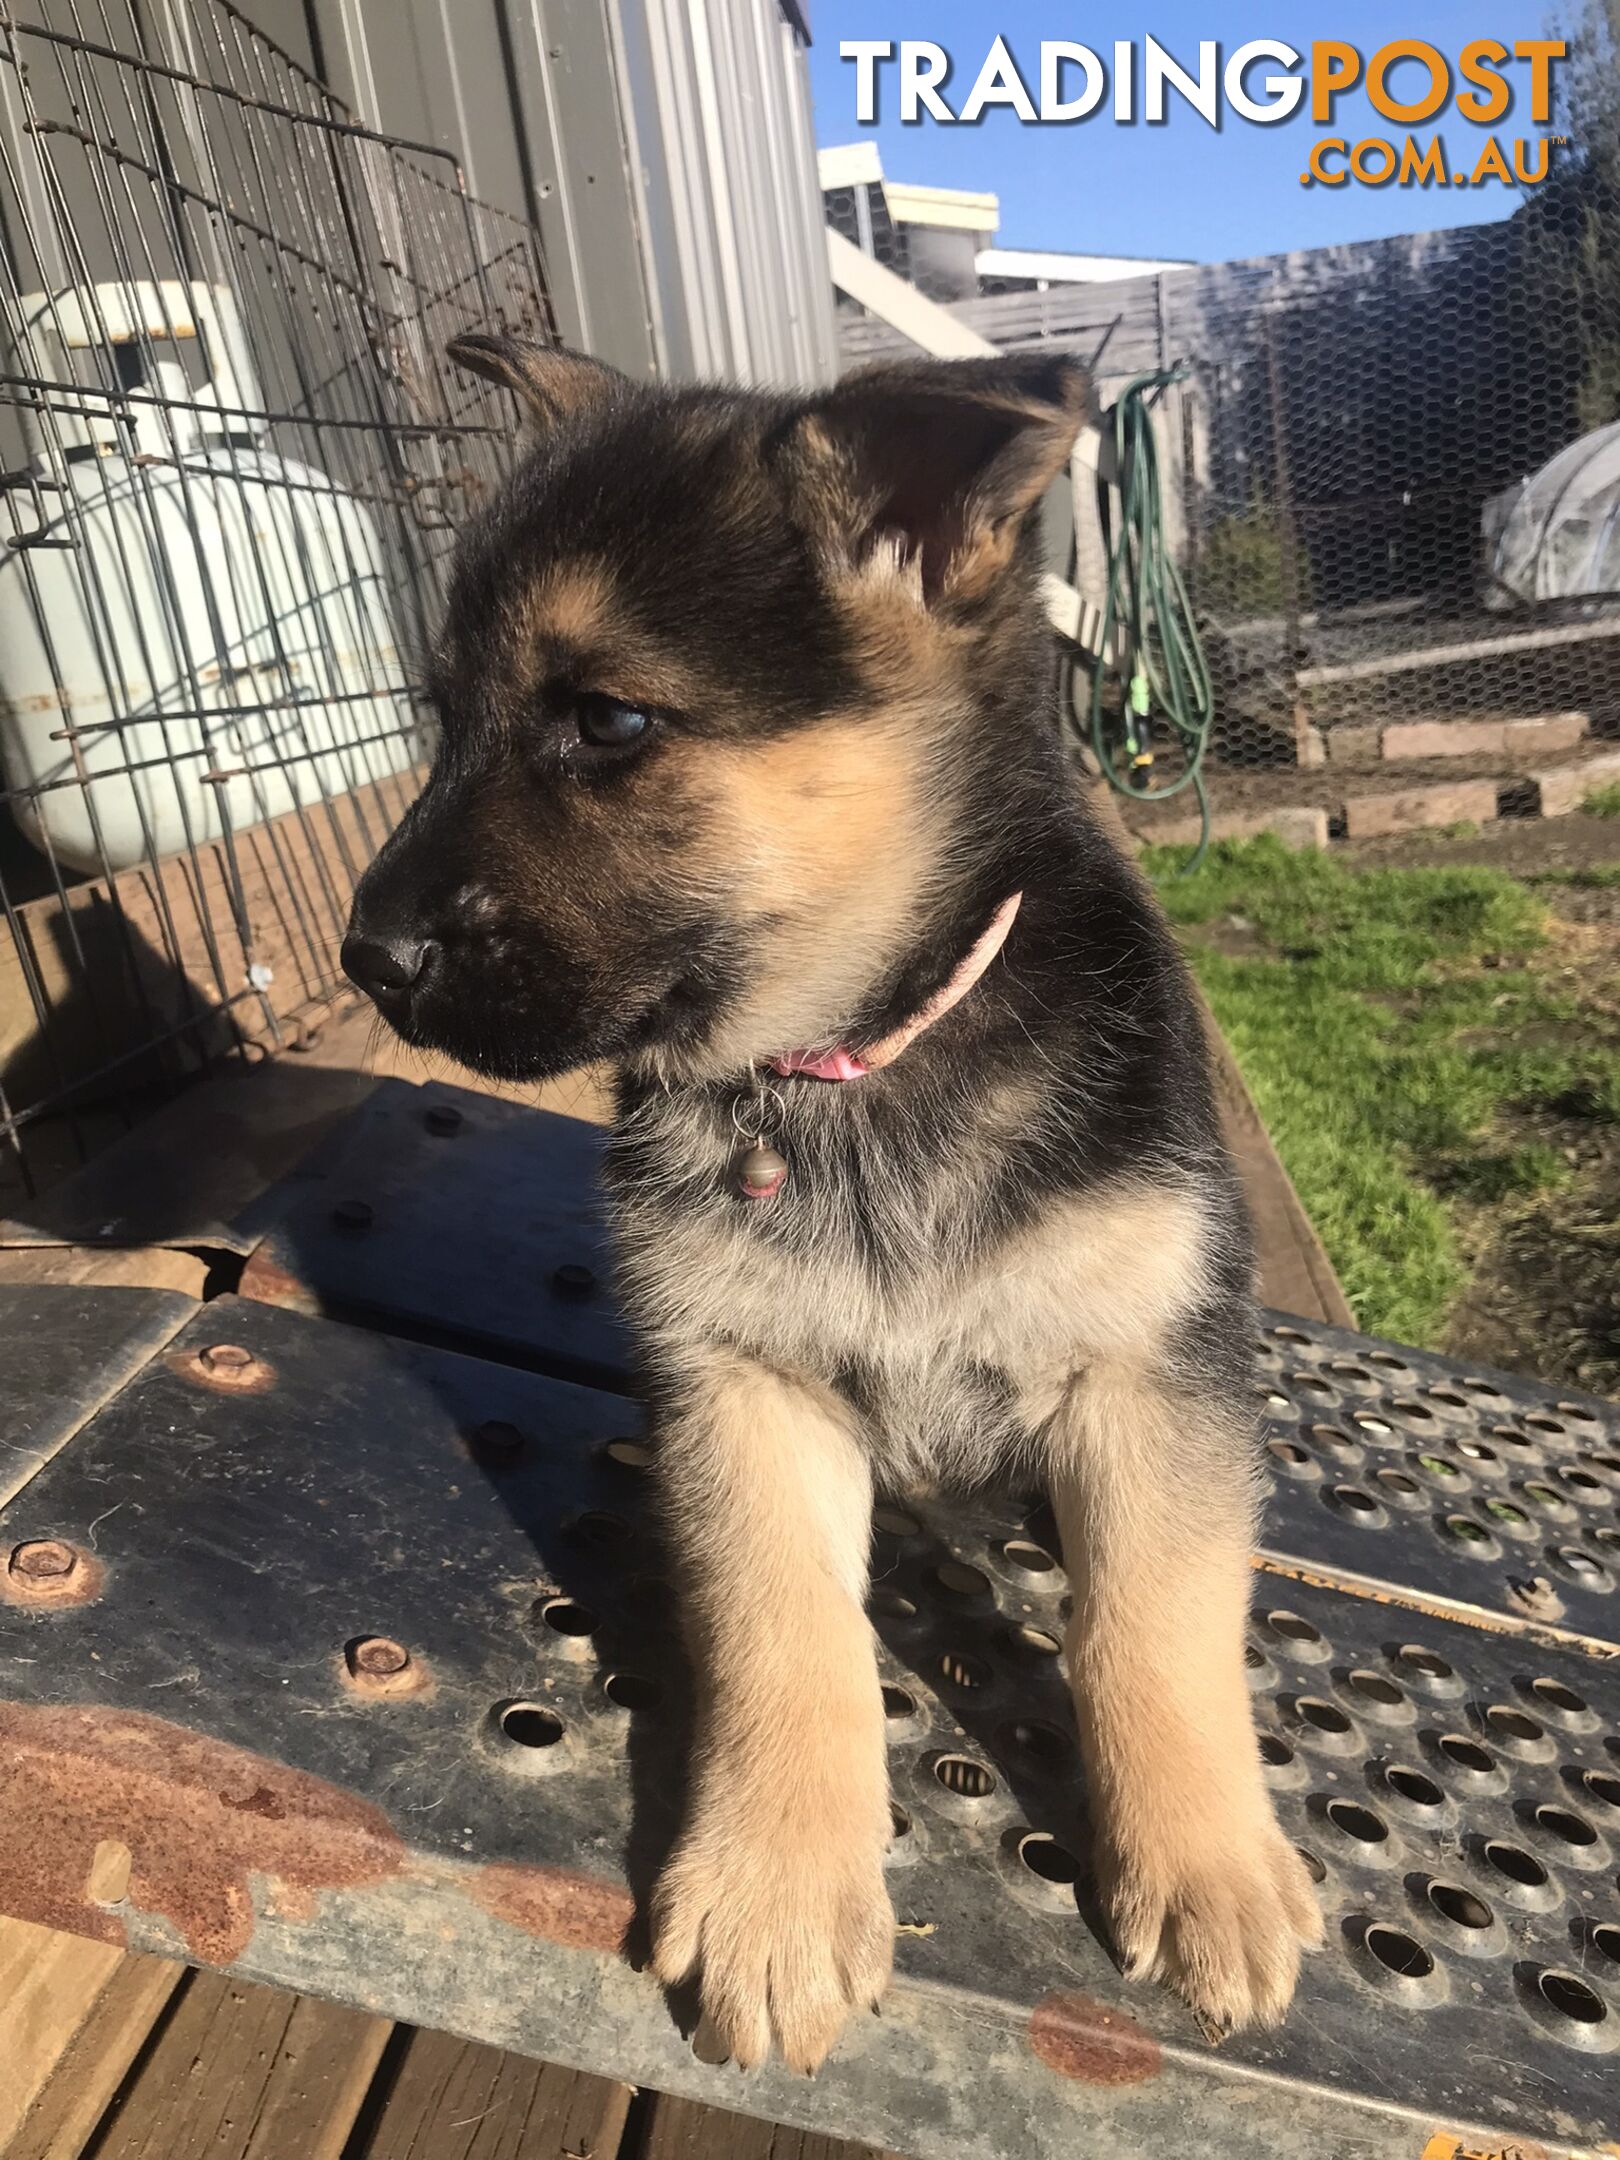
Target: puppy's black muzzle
(390,966)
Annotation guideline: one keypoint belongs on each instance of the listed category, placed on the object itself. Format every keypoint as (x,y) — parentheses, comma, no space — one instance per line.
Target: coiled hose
(1148,646)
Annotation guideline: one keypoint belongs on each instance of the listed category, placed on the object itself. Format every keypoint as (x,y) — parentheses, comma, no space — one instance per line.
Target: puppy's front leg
(1154,1493)
(775,1889)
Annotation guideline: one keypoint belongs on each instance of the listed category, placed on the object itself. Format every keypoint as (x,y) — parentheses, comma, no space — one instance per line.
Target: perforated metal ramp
(218,1751)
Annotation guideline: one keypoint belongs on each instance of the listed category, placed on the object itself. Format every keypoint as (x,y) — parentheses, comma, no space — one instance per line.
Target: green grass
(1389,1023)
(1595,877)
(1603,801)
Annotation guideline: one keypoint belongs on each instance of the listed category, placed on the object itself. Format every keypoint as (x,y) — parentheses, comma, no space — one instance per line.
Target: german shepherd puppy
(749,768)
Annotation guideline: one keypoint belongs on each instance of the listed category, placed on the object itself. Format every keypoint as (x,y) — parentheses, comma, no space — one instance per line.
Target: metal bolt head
(496,1441)
(443,1119)
(223,1357)
(43,1560)
(352,1215)
(1534,1593)
(573,1280)
(378,1655)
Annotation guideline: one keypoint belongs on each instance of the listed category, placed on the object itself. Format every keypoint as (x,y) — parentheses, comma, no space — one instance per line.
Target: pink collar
(842,1064)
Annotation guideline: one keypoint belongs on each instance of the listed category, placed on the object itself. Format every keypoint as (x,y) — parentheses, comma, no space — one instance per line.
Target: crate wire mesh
(238,460)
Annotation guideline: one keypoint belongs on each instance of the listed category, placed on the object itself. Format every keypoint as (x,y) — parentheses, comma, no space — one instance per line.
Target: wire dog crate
(236,460)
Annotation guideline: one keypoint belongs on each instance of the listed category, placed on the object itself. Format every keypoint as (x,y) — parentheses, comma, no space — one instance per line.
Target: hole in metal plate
(1414,1658)
(1560,1700)
(958,1580)
(967,1779)
(1040,1744)
(1452,1902)
(1357,1822)
(530,1725)
(898,1702)
(895,1522)
(1437,1466)
(1315,1867)
(1030,1558)
(1568,1996)
(1414,1786)
(1466,1754)
(1550,1502)
(1565,1824)
(1605,1940)
(1398,1952)
(1512,1727)
(1292,1458)
(632,1691)
(1375,1687)
(1030,1642)
(956,1669)
(1275,1750)
(1360,1506)
(599,1528)
(1326,1717)
(1604,1788)
(892,1603)
(1334,1442)
(564,1617)
(1516,1864)
(1045,1857)
(1464,1530)
(1292,1628)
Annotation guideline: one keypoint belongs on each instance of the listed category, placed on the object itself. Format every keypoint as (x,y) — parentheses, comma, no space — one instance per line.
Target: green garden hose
(1149,645)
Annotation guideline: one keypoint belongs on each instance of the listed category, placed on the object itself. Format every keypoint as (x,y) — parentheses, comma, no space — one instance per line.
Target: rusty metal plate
(1454,1481)
(376,1696)
(64,1348)
(469,1221)
(453,1217)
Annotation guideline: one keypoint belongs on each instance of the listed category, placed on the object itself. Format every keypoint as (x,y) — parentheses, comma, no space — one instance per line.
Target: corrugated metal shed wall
(663,147)
(732,207)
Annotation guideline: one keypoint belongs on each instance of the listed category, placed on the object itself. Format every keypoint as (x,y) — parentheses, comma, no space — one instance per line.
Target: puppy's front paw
(1220,1918)
(790,1932)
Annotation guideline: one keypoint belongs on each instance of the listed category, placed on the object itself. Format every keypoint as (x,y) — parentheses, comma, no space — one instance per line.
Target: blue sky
(1179,189)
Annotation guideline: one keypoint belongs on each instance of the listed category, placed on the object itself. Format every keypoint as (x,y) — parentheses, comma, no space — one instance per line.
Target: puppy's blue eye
(610,725)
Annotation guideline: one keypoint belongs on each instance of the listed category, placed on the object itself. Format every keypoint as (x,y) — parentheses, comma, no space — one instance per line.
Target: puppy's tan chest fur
(954,1342)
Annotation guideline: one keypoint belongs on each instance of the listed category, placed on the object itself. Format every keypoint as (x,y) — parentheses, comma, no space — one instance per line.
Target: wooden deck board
(49,1984)
(96,2038)
(687,2130)
(241,2072)
(449,2099)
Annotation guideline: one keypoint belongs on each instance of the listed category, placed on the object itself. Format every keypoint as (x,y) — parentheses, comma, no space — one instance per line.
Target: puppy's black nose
(384,966)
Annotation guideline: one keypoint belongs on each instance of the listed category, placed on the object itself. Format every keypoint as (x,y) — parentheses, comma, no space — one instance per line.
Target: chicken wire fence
(1391,479)
(236,458)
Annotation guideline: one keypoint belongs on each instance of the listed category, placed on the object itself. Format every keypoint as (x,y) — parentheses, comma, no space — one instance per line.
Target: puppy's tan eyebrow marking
(571,605)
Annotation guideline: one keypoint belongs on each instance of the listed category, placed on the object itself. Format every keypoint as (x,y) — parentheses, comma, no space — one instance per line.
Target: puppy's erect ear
(549,383)
(942,458)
